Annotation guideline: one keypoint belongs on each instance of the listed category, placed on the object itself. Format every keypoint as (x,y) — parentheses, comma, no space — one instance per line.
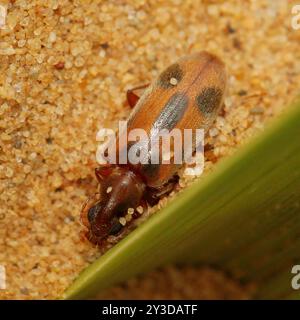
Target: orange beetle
(188,94)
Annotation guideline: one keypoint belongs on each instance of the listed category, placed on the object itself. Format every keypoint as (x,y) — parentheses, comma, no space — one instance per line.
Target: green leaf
(243,218)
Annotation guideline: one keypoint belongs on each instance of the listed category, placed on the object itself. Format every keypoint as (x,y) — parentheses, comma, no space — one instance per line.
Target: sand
(64,71)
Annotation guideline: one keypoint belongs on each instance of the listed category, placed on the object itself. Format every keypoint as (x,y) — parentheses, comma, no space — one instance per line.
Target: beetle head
(119,191)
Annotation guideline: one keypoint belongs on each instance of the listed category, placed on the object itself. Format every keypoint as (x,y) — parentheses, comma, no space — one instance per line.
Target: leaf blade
(219,220)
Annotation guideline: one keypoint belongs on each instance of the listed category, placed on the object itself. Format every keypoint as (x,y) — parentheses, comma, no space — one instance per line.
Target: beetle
(188,94)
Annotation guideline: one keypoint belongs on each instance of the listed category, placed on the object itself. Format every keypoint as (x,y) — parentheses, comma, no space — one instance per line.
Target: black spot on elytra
(172,112)
(209,100)
(174,71)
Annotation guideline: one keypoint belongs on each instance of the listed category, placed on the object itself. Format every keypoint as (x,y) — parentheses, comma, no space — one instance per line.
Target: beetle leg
(154,195)
(102,172)
(222,111)
(98,174)
(132,97)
